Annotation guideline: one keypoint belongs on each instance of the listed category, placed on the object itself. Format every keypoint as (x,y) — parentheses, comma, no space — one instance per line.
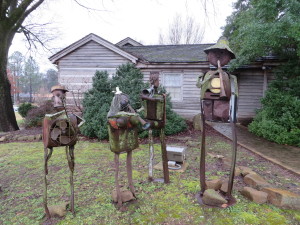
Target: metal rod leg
(46,159)
(129,172)
(151,154)
(233,159)
(117,180)
(164,156)
(71,162)
(202,157)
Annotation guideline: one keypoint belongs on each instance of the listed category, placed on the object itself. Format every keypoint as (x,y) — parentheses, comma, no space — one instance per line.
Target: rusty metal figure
(219,93)
(123,135)
(155,113)
(60,129)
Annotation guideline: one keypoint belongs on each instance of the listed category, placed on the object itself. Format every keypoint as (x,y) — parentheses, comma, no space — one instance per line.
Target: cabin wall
(189,105)
(251,83)
(77,69)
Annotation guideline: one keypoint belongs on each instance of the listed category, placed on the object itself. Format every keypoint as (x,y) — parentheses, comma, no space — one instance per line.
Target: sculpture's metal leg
(117,180)
(129,172)
(164,156)
(71,163)
(233,159)
(151,153)
(202,154)
(47,156)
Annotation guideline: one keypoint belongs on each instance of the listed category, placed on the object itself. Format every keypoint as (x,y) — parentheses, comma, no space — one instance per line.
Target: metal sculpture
(60,129)
(154,104)
(218,98)
(123,124)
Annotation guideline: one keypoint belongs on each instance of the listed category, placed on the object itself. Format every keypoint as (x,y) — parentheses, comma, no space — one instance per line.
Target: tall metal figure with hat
(60,129)
(154,104)
(123,124)
(218,98)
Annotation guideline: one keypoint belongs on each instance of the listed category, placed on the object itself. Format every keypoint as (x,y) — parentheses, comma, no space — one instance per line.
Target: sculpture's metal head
(59,96)
(154,79)
(220,52)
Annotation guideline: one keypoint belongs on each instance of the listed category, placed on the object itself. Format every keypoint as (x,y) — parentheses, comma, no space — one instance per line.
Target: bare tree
(180,31)
(13,14)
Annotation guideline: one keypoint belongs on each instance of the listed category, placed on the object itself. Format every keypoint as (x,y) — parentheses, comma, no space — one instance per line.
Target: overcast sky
(141,20)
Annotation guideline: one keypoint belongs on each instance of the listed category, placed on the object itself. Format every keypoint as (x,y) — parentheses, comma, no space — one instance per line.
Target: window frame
(180,74)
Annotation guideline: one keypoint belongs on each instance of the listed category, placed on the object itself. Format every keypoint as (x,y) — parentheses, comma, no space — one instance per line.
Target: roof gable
(91,37)
(128,42)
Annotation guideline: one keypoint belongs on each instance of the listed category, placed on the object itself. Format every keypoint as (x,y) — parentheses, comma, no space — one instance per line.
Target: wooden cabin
(178,66)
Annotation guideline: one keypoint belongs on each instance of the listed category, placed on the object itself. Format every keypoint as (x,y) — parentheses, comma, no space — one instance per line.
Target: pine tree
(96,104)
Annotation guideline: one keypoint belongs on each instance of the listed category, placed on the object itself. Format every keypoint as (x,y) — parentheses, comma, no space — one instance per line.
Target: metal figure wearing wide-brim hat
(220,51)
(218,97)
(60,129)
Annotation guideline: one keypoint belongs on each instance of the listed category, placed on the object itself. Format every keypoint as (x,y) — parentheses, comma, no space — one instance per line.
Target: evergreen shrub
(24,108)
(279,118)
(97,101)
(96,104)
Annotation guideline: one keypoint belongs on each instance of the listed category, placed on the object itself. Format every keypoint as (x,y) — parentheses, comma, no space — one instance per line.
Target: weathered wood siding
(250,83)
(77,69)
(189,106)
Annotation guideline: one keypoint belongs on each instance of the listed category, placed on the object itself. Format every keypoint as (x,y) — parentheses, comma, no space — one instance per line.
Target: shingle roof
(169,53)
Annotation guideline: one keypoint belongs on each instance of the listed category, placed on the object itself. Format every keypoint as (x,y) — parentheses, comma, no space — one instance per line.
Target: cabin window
(173,84)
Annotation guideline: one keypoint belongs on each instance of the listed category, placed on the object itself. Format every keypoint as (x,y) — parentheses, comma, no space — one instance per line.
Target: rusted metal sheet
(218,100)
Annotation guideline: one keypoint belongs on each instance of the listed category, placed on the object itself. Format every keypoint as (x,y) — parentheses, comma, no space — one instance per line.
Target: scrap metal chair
(123,124)
(218,97)
(60,129)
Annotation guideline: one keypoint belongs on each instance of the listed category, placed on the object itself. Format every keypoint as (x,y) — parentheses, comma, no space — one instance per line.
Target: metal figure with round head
(60,129)
(218,97)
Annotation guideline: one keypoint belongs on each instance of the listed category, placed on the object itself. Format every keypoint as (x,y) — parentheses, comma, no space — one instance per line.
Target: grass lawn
(21,173)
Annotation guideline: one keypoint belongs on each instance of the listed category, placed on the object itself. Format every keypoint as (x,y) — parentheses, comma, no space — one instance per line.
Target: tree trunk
(7,115)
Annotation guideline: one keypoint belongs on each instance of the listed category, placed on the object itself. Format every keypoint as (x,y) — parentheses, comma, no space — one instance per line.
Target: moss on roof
(169,53)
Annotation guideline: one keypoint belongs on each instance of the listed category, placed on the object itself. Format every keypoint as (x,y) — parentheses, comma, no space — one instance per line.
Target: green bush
(36,115)
(96,104)
(279,118)
(97,101)
(24,108)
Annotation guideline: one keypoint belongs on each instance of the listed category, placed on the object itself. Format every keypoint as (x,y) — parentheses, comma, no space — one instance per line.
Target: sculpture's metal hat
(222,43)
(59,87)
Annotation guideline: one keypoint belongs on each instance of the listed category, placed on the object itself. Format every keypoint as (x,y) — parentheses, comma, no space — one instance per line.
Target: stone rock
(213,198)
(226,163)
(58,210)
(126,196)
(237,171)
(256,181)
(31,138)
(214,184)
(21,138)
(197,122)
(254,195)
(283,198)
(224,186)
(38,137)
(245,170)
(3,138)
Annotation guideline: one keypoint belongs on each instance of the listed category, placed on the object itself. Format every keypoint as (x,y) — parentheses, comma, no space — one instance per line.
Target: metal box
(176,153)
(154,110)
